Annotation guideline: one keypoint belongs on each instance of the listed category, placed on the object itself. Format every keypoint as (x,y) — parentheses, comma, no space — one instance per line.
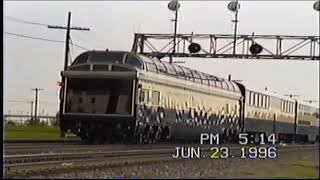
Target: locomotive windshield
(99,96)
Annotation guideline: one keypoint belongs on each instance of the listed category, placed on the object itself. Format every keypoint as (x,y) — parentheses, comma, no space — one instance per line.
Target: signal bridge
(280,47)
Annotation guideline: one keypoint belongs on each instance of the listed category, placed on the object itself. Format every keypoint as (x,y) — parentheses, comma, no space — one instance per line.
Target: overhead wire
(43,39)
(24,21)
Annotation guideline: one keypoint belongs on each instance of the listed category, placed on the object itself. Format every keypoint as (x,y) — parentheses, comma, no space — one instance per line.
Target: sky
(30,63)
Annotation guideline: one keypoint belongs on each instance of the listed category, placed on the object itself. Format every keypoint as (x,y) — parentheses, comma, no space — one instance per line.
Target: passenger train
(116,96)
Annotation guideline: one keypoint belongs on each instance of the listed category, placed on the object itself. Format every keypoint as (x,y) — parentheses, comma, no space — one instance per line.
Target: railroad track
(37,164)
(49,148)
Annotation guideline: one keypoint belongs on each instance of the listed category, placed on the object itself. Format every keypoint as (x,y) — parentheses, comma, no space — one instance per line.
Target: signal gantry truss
(221,46)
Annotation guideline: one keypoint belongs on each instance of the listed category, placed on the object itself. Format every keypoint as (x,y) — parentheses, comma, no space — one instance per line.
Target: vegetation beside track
(299,170)
(31,132)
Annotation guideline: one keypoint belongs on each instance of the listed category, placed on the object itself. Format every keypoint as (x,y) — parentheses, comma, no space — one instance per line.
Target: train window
(160,66)
(204,78)
(93,100)
(227,109)
(132,60)
(293,107)
(119,68)
(104,56)
(263,101)
(179,71)
(251,99)
(231,86)
(289,106)
(170,69)
(213,83)
(155,97)
(151,67)
(188,74)
(304,122)
(219,84)
(80,68)
(144,96)
(196,76)
(100,67)
(256,99)
(225,85)
(266,102)
(282,105)
(82,58)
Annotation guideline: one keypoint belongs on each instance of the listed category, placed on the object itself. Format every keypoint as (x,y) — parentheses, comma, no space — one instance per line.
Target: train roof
(152,64)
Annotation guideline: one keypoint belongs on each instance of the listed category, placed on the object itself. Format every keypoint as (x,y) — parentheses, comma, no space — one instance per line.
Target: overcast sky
(30,63)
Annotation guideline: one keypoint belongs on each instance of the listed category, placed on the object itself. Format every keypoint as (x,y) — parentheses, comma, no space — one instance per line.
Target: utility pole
(68,28)
(31,110)
(36,102)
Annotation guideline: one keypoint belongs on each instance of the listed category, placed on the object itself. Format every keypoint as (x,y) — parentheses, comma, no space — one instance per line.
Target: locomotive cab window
(155,99)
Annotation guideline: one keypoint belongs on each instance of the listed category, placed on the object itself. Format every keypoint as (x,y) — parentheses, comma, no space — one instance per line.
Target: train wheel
(147,135)
(158,134)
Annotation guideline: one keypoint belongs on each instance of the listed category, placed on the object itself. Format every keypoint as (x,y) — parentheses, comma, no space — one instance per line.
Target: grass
(31,132)
(300,170)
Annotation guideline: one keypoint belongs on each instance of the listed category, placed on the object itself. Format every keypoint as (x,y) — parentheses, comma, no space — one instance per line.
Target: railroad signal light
(234,6)
(174,5)
(194,47)
(255,49)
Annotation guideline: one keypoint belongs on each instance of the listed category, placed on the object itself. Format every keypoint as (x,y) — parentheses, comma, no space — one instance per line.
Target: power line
(28,101)
(26,22)
(42,39)
(32,37)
